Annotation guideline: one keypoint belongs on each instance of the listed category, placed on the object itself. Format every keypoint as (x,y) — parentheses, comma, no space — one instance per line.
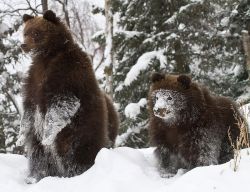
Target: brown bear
(189,125)
(67,118)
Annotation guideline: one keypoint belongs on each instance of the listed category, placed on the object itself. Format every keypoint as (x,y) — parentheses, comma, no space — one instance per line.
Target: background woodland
(127,41)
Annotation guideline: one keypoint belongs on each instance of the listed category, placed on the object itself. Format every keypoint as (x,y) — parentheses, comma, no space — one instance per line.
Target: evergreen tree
(240,26)
(140,48)
(10,87)
(184,36)
(214,54)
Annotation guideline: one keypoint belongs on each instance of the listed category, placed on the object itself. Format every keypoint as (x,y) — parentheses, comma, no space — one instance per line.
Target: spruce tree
(240,26)
(10,83)
(184,36)
(140,48)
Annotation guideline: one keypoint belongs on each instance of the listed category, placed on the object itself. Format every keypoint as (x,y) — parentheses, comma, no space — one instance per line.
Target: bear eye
(36,34)
(156,97)
(169,98)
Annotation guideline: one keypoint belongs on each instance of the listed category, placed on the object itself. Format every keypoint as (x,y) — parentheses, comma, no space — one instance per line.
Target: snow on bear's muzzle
(163,103)
(168,104)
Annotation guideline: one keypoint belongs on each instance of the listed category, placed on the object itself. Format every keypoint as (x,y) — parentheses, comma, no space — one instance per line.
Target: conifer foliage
(203,39)
(186,36)
(9,88)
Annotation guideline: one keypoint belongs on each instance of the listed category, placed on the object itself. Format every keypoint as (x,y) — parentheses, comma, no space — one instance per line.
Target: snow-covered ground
(127,170)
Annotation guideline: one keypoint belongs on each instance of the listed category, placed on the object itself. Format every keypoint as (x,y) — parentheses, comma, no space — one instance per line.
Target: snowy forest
(128,40)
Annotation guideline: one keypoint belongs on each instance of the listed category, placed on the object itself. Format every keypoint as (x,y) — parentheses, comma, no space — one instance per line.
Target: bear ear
(184,80)
(27,17)
(157,77)
(50,16)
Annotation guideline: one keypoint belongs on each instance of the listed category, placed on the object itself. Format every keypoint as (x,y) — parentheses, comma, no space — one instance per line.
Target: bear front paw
(31,180)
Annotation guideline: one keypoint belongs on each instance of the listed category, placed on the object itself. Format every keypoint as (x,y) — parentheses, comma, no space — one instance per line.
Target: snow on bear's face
(168,104)
(169,97)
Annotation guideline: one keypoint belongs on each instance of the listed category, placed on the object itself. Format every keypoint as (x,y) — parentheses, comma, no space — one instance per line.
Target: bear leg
(168,162)
(41,163)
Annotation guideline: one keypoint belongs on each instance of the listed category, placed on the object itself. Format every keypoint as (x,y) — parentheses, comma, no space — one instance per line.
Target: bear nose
(23,46)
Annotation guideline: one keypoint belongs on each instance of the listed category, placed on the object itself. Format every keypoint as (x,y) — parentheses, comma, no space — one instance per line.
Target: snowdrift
(127,170)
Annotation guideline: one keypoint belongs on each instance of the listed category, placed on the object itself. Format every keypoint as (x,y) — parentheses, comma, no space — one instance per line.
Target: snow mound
(125,169)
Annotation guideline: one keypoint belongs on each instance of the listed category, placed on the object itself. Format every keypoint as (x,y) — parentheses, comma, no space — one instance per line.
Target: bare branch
(100,62)
(64,4)
(12,11)
(13,100)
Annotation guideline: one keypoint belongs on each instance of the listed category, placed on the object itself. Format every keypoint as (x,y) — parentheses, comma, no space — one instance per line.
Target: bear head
(173,98)
(44,33)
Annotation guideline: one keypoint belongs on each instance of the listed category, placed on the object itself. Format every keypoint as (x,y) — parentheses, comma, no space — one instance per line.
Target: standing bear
(188,125)
(67,119)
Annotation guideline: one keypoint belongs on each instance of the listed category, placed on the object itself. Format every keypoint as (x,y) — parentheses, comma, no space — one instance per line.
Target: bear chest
(36,86)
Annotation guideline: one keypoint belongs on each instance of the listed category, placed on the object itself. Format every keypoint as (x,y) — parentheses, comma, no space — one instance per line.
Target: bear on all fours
(189,125)
(67,118)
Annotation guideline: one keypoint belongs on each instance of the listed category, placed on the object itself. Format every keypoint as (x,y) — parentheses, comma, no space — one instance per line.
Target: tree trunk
(65,9)
(44,5)
(246,46)
(181,64)
(109,53)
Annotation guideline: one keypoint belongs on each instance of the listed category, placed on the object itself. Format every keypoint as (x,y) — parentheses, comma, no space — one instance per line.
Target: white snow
(244,98)
(172,36)
(142,102)
(25,126)
(181,26)
(234,12)
(98,34)
(237,70)
(58,116)
(122,138)
(125,169)
(224,22)
(167,104)
(47,127)
(162,107)
(245,109)
(3,28)
(132,110)
(129,34)
(186,7)
(171,19)
(142,64)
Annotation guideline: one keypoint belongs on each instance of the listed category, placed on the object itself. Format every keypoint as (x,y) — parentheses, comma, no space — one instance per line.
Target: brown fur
(59,68)
(113,121)
(197,135)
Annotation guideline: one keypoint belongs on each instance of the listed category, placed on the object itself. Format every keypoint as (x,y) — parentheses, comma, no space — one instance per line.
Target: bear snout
(162,112)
